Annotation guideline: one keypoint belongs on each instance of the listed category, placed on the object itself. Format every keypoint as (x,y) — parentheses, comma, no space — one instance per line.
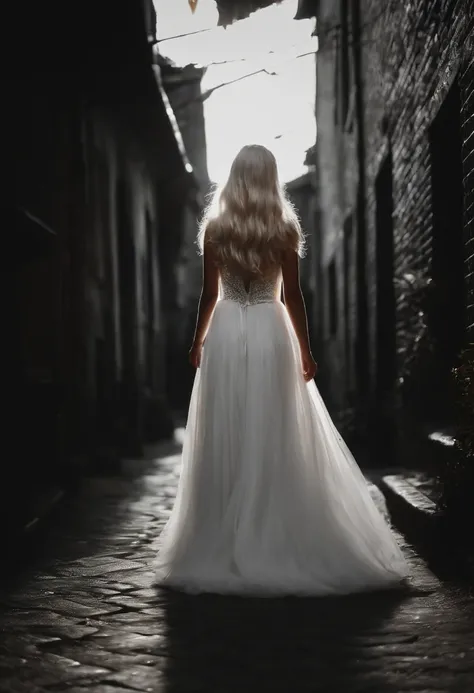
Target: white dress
(270,499)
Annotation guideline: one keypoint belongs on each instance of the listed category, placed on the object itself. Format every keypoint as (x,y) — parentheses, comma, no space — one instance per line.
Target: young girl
(270,499)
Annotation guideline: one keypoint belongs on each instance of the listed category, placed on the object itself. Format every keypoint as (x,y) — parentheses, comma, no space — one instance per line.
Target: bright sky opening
(275,106)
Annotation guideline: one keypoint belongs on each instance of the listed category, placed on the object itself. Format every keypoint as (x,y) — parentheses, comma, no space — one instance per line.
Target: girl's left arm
(209,295)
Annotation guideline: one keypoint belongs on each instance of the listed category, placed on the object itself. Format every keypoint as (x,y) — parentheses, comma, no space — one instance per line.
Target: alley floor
(83,616)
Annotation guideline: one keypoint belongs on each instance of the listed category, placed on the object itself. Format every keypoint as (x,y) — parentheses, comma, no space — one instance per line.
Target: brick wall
(467,88)
(413,57)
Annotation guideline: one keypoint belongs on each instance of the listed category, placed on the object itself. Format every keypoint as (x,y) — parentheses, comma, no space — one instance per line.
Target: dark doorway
(131,419)
(447,313)
(362,332)
(150,303)
(385,359)
(333,299)
(126,256)
(348,282)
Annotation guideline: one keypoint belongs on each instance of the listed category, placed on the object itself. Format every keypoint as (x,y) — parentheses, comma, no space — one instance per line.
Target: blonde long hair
(251,222)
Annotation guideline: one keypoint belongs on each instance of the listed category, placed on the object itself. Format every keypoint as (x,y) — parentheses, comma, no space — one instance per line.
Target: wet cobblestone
(84,617)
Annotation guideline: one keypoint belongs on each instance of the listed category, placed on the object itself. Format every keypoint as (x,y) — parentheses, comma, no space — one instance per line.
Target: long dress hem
(270,499)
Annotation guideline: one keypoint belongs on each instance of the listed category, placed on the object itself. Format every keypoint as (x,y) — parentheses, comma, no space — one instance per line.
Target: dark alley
(238,329)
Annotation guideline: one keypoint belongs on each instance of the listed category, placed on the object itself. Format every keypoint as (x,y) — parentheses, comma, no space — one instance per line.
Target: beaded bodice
(264,290)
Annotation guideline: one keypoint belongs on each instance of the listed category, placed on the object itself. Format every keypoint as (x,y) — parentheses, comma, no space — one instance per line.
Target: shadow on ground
(222,643)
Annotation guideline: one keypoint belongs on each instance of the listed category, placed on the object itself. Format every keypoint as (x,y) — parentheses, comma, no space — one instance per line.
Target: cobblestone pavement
(85,618)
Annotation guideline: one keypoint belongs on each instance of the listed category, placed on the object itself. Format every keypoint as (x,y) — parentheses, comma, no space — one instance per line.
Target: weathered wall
(412,58)
(466,80)
(85,158)
(337,185)
(123,283)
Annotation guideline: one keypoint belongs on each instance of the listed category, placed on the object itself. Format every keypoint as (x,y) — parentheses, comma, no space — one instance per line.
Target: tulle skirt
(270,499)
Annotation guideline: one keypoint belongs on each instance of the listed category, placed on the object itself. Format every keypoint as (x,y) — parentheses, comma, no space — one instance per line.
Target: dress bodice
(263,290)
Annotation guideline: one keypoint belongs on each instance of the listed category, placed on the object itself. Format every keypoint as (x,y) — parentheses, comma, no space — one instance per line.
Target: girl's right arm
(294,302)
